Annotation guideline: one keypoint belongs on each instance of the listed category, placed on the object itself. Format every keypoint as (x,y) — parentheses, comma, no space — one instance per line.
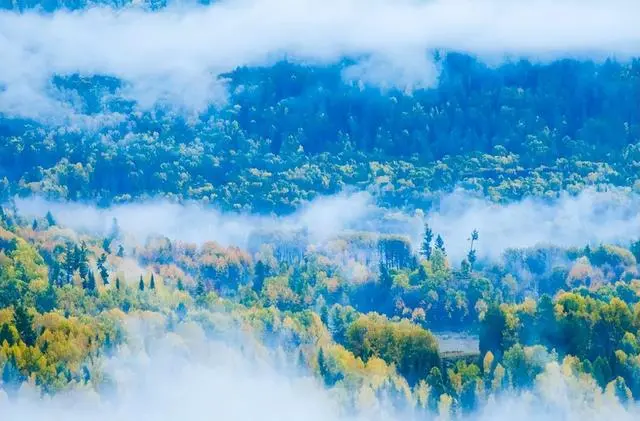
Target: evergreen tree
(70,263)
(324,314)
(50,221)
(426,242)
(8,334)
(82,260)
(200,288)
(471,258)
(440,244)
(34,225)
(106,245)
(181,311)
(117,282)
(141,284)
(90,283)
(259,276)
(12,377)
(152,282)
(471,255)
(24,324)
(102,268)
(322,365)
(48,300)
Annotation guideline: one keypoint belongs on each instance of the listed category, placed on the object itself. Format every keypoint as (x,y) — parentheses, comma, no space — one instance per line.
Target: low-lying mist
(590,217)
(184,375)
(167,376)
(175,56)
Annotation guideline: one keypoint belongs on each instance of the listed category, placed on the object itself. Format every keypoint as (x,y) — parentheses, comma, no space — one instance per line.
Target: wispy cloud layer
(175,55)
(590,217)
(165,376)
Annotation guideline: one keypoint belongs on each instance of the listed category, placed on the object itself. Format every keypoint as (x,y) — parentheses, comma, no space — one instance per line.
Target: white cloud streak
(590,217)
(174,55)
(324,218)
(165,376)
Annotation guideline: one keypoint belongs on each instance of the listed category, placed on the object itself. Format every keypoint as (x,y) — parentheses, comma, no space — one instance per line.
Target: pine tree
(24,324)
(260,275)
(118,283)
(152,282)
(426,242)
(34,226)
(471,256)
(181,311)
(102,268)
(200,288)
(82,260)
(440,244)
(141,284)
(47,301)
(12,378)
(324,314)
(322,365)
(90,283)
(50,219)
(106,245)
(70,263)
(8,334)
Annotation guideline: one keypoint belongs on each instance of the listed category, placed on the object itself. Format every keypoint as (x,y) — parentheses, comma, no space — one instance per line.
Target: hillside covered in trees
(292,133)
(370,315)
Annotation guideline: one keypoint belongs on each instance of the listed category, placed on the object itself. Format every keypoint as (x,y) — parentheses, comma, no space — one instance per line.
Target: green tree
(82,260)
(24,324)
(181,311)
(492,331)
(12,377)
(106,244)
(47,300)
(426,242)
(260,274)
(49,217)
(90,283)
(102,268)
(9,334)
(440,245)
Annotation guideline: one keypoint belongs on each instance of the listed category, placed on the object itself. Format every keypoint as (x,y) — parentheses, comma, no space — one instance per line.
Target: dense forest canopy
(508,133)
(487,244)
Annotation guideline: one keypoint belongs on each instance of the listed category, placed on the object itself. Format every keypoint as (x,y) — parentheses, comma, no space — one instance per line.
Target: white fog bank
(174,56)
(182,375)
(590,217)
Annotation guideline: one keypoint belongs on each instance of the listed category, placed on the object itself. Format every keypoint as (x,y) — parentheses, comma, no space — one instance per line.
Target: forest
(369,314)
